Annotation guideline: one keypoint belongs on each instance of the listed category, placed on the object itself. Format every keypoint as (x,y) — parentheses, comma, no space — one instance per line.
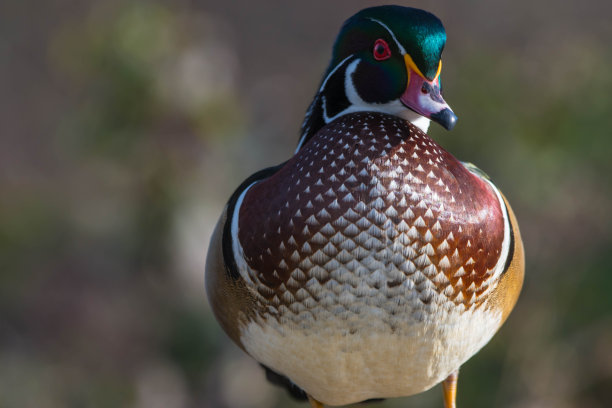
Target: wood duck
(372,263)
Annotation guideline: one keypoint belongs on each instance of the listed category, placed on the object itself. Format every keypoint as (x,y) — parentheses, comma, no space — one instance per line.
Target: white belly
(339,361)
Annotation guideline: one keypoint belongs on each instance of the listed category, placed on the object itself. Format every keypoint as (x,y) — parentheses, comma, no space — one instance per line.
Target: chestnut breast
(373,206)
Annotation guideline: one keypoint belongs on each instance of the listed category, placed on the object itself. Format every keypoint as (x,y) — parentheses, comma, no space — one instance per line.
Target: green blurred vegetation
(126,125)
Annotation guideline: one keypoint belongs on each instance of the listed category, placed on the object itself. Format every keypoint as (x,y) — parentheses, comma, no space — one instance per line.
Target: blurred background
(125,125)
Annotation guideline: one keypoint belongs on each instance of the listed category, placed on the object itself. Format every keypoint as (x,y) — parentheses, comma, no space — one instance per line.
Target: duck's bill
(423,97)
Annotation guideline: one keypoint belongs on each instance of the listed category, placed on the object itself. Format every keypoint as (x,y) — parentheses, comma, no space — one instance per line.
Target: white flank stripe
(241,264)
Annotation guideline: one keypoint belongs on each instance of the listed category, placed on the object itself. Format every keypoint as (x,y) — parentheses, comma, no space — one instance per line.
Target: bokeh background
(125,125)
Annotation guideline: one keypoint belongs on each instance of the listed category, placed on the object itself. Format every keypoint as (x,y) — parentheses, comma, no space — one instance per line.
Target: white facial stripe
(332,72)
(403,51)
(357,104)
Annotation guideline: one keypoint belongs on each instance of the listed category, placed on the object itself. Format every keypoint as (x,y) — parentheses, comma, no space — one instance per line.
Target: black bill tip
(446,118)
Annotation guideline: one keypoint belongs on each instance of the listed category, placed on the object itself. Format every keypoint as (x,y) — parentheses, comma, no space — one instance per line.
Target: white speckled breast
(371,254)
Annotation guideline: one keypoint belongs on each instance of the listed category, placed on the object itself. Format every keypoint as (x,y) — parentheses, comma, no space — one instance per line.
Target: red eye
(381,50)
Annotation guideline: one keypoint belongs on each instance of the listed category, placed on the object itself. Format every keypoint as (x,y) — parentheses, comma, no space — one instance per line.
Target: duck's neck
(337,97)
(329,102)
(316,118)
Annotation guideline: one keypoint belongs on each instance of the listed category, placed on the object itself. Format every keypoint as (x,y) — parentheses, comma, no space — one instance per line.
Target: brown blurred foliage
(125,125)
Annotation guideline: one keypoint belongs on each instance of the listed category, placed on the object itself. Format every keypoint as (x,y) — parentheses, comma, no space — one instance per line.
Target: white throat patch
(357,104)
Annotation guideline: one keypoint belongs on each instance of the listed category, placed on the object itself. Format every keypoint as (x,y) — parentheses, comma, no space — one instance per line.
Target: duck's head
(385,59)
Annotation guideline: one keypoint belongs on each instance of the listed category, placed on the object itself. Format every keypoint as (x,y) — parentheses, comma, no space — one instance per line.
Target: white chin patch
(395,107)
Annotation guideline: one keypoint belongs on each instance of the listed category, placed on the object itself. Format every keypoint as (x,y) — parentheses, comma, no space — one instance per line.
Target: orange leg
(314,403)
(450,390)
